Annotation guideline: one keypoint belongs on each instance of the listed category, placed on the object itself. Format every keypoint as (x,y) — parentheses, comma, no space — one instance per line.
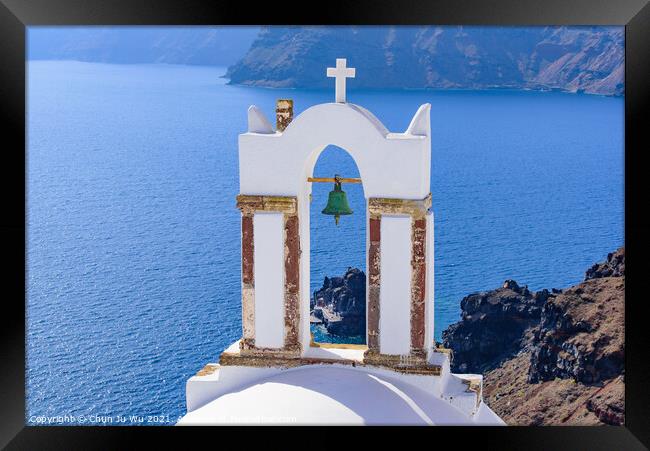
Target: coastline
(565,359)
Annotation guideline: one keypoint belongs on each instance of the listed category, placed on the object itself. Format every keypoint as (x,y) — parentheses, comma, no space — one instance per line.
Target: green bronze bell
(337,203)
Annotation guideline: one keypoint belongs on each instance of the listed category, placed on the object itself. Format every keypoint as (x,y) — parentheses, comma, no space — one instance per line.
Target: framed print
(378,213)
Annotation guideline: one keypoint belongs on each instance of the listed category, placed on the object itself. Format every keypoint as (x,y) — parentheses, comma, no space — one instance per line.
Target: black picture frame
(16,15)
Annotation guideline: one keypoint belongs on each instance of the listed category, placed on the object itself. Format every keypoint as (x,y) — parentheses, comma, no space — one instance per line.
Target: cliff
(575,59)
(548,357)
(341,304)
(494,325)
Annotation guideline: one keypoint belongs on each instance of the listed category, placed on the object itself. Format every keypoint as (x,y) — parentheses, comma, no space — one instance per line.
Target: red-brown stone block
(247,249)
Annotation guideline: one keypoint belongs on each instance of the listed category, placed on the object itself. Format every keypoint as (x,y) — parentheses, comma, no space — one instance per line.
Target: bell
(337,203)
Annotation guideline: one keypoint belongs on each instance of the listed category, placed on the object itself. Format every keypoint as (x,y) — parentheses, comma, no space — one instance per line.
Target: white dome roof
(327,395)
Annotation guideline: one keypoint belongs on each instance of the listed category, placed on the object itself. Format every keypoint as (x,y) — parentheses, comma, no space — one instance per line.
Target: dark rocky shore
(549,357)
(340,305)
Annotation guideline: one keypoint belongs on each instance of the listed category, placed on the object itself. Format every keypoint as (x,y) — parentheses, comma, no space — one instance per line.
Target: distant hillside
(218,46)
(589,59)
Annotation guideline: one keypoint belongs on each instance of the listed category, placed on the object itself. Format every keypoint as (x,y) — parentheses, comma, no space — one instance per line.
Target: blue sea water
(133,257)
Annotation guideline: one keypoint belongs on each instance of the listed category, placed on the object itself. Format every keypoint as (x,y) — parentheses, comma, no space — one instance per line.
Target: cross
(340,73)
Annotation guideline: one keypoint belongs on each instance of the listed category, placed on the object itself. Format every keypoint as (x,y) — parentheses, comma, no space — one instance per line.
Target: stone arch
(304,206)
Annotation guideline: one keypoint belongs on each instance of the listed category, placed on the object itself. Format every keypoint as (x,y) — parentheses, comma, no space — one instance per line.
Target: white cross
(340,73)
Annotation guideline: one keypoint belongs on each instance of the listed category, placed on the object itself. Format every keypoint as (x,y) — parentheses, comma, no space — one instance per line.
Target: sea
(133,237)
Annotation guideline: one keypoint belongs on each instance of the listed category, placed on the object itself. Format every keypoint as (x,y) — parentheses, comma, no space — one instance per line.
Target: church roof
(324,394)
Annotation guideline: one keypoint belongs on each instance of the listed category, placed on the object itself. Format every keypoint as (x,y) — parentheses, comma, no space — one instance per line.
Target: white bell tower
(275,371)
(275,167)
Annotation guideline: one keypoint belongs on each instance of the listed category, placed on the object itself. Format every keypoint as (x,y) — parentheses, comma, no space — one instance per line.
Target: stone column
(418,283)
(291,283)
(417,210)
(287,205)
(247,279)
(374,238)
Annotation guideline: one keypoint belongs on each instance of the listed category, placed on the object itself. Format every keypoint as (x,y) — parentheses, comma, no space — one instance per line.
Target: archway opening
(337,256)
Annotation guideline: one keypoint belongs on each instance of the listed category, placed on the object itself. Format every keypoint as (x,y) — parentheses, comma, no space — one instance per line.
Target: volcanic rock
(341,303)
(492,326)
(565,361)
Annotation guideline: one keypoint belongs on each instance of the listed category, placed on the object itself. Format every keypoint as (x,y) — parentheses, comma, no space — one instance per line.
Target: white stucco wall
(268,232)
(433,396)
(395,291)
(395,165)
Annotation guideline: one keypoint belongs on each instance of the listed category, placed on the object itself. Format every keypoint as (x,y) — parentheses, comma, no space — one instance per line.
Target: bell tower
(276,168)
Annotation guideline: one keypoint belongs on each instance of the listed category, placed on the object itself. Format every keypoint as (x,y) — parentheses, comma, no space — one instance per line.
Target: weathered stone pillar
(247,279)
(418,283)
(287,205)
(417,210)
(374,234)
(291,282)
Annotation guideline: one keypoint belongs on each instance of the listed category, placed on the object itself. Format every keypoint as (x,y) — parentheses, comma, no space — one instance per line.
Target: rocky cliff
(494,325)
(589,59)
(340,304)
(575,59)
(551,357)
